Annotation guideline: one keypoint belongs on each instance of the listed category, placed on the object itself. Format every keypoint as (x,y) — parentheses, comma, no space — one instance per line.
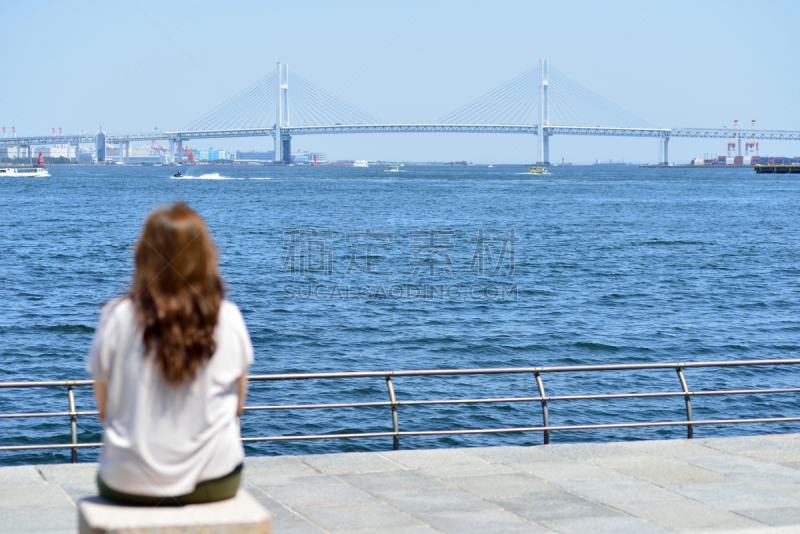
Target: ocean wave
(666,242)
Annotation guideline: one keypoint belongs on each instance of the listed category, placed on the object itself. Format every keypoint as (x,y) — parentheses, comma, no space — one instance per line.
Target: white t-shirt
(161,439)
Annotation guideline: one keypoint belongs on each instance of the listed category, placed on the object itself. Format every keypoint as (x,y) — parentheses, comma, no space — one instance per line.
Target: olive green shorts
(217,489)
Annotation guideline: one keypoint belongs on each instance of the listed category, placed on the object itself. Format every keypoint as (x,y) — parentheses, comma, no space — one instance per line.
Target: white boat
(24,171)
(360,163)
(491,166)
(394,168)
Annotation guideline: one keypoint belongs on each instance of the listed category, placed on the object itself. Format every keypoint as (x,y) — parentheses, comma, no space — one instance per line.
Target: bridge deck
(713,485)
(527,129)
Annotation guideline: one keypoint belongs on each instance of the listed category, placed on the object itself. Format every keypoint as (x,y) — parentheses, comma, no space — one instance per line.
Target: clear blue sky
(78,65)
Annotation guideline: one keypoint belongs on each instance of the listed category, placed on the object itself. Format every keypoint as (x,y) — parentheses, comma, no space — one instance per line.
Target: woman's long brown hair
(177,291)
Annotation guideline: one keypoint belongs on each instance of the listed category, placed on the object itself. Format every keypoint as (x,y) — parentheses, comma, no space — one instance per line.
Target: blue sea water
(612,265)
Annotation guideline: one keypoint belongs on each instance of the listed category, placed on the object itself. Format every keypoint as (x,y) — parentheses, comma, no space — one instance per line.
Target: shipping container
(747,160)
(738,160)
(779,161)
(728,161)
(797,159)
(721,159)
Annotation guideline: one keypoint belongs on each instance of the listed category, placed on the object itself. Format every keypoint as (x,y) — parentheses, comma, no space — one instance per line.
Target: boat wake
(212,176)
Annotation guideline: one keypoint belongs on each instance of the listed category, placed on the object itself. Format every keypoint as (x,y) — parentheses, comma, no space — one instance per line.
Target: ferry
(538,170)
(394,168)
(24,171)
(360,163)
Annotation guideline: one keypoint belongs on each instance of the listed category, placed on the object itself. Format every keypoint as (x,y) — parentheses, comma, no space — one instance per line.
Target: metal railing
(393,403)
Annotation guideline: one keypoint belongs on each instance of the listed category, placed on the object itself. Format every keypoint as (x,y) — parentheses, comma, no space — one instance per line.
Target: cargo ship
(789,168)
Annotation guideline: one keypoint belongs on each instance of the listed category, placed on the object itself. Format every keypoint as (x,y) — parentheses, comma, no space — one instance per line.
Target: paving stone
(775,456)
(579,451)
(622,489)
(774,516)
(23,474)
(295,525)
(764,475)
(662,471)
(276,465)
(673,448)
(279,511)
(508,485)
(416,502)
(76,492)
(295,496)
(352,462)
(564,470)
(400,530)
(377,483)
(684,514)
(359,516)
(69,473)
(553,505)
(603,525)
(481,523)
(734,465)
(263,480)
(38,518)
(734,496)
(32,495)
(752,443)
(506,455)
(445,462)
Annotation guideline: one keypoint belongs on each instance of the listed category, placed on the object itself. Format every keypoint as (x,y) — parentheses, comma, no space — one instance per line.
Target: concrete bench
(240,515)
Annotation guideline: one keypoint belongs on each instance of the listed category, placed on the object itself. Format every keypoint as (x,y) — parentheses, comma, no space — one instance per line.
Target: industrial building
(265,157)
(57,151)
(308,158)
(298,157)
(209,155)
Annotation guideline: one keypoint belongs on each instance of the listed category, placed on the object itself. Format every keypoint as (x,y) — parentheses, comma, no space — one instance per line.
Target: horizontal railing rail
(393,403)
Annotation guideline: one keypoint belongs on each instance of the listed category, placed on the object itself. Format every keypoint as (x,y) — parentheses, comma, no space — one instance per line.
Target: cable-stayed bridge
(541,101)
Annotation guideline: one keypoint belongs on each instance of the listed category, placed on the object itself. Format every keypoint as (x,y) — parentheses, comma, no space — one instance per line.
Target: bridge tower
(544,119)
(283,141)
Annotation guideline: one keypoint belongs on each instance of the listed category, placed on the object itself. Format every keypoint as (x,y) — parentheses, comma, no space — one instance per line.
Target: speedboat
(394,168)
(24,171)
(538,170)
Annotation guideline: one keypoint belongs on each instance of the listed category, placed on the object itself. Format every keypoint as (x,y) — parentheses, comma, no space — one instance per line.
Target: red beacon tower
(40,161)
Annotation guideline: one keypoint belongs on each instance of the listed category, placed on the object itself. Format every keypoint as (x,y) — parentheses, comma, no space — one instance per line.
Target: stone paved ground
(746,485)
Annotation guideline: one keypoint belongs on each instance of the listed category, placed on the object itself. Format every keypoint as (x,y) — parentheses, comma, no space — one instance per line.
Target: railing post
(73,423)
(690,430)
(395,424)
(545,414)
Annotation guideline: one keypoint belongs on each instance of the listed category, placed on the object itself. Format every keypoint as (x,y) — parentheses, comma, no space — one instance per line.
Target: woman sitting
(170,365)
